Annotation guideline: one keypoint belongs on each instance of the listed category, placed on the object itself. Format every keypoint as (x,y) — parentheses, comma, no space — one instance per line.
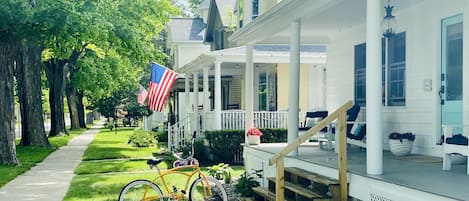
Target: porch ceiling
(261,54)
(320,19)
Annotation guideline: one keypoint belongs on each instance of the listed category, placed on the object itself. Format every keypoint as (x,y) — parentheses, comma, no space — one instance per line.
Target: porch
(180,133)
(414,177)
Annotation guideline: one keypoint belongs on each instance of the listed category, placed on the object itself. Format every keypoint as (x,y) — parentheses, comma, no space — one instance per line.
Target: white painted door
(451,73)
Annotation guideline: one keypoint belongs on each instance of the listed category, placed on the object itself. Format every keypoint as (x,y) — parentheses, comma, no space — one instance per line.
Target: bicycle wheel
(214,191)
(141,190)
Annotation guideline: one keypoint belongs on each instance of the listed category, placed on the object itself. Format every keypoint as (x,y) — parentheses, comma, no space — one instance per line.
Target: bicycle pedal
(183,191)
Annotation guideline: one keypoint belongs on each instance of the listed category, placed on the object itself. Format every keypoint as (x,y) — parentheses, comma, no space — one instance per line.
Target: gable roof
(218,9)
(186,29)
(224,9)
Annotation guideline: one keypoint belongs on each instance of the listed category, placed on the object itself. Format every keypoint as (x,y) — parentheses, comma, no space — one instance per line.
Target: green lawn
(30,156)
(108,145)
(111,163)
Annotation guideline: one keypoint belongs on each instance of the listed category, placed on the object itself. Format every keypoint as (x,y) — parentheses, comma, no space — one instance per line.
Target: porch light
(389,21)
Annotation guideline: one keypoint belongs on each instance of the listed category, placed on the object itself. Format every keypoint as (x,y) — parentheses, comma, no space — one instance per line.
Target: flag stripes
(160,86)
(141,95)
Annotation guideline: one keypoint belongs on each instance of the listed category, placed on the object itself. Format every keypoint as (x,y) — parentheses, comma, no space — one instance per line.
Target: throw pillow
(356,129)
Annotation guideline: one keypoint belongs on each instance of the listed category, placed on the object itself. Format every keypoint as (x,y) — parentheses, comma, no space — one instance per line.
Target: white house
(411,82)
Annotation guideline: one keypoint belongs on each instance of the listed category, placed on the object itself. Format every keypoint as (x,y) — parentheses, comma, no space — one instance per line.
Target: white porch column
(187,101)
(294,83)
(206,91)
(249,89)
(196,101)
(374,137)
(217,95)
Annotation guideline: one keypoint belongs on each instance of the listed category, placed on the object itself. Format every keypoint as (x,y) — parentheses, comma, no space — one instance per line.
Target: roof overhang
(238,55)
(320,20)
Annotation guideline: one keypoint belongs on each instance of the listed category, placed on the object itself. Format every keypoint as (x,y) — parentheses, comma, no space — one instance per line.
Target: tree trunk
(8,49)
(72,102)
(81,109)
(56,79)
(28,76)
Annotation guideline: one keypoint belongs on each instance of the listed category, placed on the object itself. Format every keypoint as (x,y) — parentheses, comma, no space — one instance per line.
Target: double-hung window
(393,83)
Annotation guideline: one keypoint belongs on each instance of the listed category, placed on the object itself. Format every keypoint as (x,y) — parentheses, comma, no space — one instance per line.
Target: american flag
(142,95)
(162,80)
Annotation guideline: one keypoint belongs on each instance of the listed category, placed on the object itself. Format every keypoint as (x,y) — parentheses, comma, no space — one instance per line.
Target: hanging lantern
(389,21)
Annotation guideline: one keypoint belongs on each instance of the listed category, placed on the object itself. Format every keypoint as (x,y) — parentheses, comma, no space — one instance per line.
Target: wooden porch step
(311,176)
(300,190)
(269,196)
(265,193)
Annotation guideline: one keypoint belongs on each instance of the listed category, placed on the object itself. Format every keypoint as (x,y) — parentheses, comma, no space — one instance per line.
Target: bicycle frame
(178,170)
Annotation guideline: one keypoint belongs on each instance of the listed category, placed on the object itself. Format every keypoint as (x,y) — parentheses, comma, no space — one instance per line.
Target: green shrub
(245,184)
(224,144)
(199,151)
(272,135)
(141,138)
(162,136)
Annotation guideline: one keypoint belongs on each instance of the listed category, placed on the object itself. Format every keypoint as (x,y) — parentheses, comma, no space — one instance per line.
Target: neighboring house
(219,77)
(221,23)
(185,40)
(412,82)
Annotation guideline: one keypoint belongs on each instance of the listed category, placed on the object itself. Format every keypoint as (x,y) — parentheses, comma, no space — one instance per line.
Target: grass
(29,156)
(111,163)
(108,145)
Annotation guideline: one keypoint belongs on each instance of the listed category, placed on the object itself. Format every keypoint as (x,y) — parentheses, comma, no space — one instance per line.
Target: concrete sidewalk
(50,179)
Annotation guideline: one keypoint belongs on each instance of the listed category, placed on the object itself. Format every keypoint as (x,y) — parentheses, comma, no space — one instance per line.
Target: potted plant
(401,143)
(220,172)
(254,136)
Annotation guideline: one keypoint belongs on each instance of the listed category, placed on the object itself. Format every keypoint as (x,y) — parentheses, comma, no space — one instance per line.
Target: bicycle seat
(155,161)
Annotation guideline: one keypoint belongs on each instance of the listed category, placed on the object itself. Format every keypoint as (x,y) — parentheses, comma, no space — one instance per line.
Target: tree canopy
(96,48)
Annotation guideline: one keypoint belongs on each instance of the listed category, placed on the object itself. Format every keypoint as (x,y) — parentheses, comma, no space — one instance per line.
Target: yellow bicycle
(202,188)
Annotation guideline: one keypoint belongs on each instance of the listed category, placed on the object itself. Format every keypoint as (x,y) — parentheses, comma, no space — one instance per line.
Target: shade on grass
(93,167)
(109,145)
(29,156)
(106,187)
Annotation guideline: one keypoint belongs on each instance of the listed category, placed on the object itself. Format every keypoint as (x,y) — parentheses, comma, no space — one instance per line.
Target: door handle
(440,93)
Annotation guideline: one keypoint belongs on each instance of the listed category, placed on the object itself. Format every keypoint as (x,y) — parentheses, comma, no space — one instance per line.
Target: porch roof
(320,19)
(310,54)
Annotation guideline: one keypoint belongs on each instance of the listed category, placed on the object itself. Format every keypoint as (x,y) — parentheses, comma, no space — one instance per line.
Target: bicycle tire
(141,190)
(218,193)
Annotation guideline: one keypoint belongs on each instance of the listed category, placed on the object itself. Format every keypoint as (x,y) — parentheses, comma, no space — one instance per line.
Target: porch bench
(455,147)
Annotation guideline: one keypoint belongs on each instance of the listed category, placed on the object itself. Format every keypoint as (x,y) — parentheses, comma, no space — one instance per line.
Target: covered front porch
(413,177)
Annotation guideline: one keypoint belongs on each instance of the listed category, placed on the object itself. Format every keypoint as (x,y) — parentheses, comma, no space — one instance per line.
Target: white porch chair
(449,149)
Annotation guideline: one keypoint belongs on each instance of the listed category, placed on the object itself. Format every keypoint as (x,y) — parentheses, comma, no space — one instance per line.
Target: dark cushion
(457,139)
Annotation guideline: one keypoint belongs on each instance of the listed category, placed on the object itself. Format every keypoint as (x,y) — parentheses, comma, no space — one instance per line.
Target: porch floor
(419,172)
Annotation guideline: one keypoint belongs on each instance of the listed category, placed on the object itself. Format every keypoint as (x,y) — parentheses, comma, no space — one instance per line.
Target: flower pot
(254,139)
(400,147)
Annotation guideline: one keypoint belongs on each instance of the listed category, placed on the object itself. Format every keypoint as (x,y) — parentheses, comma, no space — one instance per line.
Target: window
(393,80)
(360,70)
(255,9)
(267,87)
(396,70)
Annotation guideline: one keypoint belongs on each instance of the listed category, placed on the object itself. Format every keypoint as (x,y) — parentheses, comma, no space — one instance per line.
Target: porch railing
(278,159)
(179,134)
(235,119)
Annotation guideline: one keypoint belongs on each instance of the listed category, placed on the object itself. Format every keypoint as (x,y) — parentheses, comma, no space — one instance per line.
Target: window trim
(387,82)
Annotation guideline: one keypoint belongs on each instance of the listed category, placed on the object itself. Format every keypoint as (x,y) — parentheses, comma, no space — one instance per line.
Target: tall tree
(28,76)
(8,49)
